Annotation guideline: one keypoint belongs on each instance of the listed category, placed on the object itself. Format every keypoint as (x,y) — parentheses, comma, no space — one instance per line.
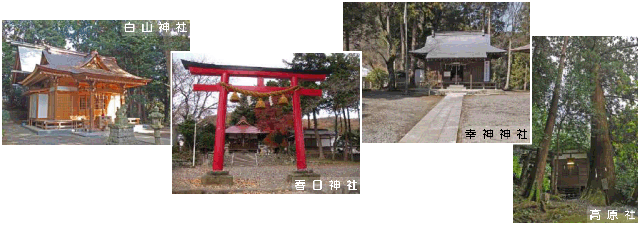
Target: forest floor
(569,211)
(265,179)
(508,111)
(388,116)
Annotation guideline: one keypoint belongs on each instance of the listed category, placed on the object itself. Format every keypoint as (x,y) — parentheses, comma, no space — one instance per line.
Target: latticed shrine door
(83,105)
(64,106)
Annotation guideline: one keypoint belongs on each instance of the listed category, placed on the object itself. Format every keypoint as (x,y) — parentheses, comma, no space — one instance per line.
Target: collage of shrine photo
(462,73)
(293,123)
(272,105)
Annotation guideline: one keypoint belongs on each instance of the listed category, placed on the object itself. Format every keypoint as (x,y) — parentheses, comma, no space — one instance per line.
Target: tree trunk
(602,180)
(405,57)
(167,58)
(318,140)
(348,119)
(392,77)
(335,122)
(554,170)
(346,40)
(414,32)
(534,186)
(506,85)
(524,175)
(403,40)
(344,120)
(489,24)
(346,137)
(340,128)
(335,128)
(554,163)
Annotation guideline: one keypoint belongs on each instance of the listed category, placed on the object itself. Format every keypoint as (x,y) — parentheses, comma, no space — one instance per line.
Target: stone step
(456,87)
(244,159)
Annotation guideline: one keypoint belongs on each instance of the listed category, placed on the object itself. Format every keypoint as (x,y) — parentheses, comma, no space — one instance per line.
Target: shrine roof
(320,132)
(457,44)
(29,58)
(79,65)
(243,127)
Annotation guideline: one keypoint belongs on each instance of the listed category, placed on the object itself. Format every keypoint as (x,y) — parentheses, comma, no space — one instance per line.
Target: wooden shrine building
(457,57)
(569,170)
(572,173)
(327,138)
(244,136)
(69,89)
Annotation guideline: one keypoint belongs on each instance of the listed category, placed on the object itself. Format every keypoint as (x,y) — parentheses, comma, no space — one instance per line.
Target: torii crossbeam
(225,71)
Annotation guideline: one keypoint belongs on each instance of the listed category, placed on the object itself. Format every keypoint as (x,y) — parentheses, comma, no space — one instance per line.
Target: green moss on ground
(563,211)
(595,197)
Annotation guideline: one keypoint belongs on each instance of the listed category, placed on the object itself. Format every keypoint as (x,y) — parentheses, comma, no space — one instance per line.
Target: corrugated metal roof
(458,44)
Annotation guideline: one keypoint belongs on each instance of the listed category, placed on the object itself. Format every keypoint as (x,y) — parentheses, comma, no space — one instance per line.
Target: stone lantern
(156,123)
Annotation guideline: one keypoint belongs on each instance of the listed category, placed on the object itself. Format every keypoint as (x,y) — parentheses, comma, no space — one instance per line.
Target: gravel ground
(504,111)
(262,179)
(388,116)
(14,134)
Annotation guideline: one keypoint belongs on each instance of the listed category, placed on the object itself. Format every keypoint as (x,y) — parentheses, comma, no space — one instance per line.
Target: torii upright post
(218,150)
(301,159)
(218,175)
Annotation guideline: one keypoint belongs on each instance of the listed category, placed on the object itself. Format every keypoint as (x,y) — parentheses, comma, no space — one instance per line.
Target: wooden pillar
(218,150)
(53,96)
(301,160)
(92,89)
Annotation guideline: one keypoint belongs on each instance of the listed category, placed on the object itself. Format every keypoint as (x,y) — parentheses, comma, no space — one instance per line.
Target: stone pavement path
(440,125)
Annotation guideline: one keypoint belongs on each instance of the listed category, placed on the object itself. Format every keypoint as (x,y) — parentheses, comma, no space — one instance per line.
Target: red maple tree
(277,120)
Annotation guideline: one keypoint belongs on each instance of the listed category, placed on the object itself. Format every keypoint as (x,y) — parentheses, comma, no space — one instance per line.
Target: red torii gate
(225,71)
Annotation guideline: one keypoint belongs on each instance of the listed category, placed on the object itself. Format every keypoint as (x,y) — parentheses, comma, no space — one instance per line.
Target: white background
(401,183)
